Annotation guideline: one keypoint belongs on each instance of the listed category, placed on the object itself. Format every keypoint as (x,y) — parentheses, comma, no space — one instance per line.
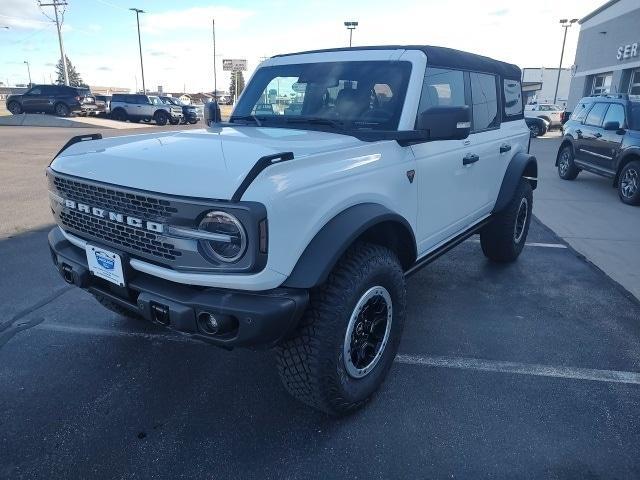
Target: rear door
(591,132)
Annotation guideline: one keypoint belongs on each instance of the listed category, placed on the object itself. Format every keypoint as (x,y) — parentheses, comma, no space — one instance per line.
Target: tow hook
(67,274)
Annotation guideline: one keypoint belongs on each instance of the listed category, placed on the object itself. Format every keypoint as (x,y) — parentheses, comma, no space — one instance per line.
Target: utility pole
(565,24)
(55,4)
(29,71)
(138,12)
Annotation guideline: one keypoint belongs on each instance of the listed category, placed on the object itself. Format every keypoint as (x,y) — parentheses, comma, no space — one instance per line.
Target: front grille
(137,205)
(123,235)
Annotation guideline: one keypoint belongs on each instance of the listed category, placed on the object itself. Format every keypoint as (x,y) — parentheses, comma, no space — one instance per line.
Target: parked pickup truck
(298,231)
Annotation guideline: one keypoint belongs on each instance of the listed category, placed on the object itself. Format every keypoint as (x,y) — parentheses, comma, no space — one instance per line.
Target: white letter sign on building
(627,51)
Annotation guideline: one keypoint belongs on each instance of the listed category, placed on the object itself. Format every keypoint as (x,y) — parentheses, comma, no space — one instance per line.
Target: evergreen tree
(232,87)
(75,80)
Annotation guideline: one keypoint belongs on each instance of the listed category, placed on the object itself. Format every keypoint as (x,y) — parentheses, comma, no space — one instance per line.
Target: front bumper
(259,318)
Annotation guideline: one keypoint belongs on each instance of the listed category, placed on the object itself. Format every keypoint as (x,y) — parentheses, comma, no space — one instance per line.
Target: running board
(444,248)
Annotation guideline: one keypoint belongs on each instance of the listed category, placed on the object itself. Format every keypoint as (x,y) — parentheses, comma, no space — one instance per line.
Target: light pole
(565,24)
(351,26)
(138,12)
(29,71)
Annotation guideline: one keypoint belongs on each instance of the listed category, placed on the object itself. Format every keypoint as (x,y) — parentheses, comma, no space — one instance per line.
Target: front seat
(351,104)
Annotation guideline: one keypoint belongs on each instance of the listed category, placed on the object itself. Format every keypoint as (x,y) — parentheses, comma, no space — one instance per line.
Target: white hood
(207,163)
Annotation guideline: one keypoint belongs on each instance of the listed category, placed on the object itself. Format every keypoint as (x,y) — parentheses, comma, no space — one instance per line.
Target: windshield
(155,100)
(172,101)
(346,95)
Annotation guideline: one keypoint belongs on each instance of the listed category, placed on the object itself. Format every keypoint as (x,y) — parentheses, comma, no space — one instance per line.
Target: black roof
(442,57)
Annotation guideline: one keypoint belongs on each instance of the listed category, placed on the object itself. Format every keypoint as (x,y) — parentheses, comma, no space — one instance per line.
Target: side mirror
(212,113)
(446,123)
(612,126)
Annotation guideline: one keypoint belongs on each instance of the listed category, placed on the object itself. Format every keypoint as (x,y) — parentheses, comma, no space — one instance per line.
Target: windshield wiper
(246,118)
(317,121)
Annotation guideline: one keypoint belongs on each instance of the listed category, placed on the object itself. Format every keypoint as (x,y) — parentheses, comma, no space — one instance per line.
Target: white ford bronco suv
(296,229)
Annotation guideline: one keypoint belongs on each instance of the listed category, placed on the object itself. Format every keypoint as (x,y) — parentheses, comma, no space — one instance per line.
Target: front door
(33,100)
(589,143)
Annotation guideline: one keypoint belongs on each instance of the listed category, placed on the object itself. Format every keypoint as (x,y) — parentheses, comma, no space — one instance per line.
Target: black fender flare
(521,165)
(335,237)
(627,155)
(567,139)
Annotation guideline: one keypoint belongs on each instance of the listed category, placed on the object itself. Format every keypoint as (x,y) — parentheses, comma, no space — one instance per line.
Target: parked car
(57,99)
(106,101)
(190,113)
(297,232)
(537,126)
(136,107)
(603,137)
(551,113)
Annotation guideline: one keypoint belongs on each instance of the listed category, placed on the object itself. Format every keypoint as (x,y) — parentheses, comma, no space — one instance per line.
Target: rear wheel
(119,114)
(629,183)
(567,169)
(174,121)
(61,110)
(349,335)
(15,108)
(503,239)
(161,117)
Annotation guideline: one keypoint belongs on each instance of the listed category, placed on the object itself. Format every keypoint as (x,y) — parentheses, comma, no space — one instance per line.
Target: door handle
(597,134)
(505,147)
(470,158)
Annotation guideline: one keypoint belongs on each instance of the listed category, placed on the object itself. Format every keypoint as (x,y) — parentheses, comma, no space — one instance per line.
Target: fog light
(216,324)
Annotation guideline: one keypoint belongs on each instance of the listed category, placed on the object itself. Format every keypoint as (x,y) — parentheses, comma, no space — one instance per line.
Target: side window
(594,118)
(442,88)
(615,114)
(484,100)
(141,100)
(580,112)
(512,98)
(35,91)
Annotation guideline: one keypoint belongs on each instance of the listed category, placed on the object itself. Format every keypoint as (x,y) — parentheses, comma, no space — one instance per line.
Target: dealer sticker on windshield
(105,264)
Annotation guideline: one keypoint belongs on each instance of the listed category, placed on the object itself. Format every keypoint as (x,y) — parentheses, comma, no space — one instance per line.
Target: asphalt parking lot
(529,370)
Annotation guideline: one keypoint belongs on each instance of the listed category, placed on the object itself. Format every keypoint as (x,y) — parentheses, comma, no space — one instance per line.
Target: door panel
(591,133)
(32,101)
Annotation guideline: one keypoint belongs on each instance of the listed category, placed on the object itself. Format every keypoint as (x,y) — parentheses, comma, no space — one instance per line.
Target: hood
(207,163)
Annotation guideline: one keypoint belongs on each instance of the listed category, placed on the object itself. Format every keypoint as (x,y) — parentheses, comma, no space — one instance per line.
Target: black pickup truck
(603,137)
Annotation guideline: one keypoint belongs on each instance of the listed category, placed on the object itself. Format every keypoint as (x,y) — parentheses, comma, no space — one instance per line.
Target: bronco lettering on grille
(114,216)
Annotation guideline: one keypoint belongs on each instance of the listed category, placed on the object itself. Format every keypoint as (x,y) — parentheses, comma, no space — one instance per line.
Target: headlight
(232,242)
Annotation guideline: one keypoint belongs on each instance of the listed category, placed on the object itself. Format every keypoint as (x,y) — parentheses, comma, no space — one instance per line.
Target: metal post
(565,24)
(138,12)
(55,4)
(29,71)
(235,92)
(215,79)
(350,36)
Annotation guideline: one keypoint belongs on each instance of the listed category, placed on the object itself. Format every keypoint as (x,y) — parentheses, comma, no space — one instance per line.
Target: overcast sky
(100,35)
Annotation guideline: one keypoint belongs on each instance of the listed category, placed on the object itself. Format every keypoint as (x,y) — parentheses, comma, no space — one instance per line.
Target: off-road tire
(174,121)
(161,118)
(629,183)
(15,108)
(311,362)
(61,110)
(193,121)
(115,308)
(503,239)
(568,170)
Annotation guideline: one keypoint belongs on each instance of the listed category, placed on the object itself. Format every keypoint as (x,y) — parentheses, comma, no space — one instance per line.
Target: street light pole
(351,26)
(55,4)
(138,12)
(29,71)
(565,24)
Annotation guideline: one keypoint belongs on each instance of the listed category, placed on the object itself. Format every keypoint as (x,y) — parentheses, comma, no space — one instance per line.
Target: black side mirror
(446,123)
(212,113)
(612,126)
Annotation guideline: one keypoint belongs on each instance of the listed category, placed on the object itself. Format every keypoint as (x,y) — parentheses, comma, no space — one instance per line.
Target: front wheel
(567,169)
(15,108)
(174,121)
(193,121)
(503,239)
(349,335)
(161,118)
(629,183)
(535,130)
(119,115)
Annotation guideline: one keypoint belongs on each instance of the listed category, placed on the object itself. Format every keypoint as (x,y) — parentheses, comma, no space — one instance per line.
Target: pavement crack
(44,301)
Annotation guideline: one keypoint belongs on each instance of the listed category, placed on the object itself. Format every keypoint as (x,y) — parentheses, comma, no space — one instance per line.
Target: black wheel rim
(629,183)
(368,332)
(521,220)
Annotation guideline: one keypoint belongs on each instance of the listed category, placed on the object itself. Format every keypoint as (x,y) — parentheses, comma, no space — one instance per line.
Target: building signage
(628,51)
(234,65)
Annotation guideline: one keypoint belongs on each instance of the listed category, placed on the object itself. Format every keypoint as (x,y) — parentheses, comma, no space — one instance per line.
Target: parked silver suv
(135,107)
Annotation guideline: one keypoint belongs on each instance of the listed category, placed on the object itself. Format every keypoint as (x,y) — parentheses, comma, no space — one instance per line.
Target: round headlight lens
(233,239)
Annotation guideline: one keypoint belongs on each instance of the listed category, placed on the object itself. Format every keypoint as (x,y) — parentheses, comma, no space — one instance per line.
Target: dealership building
(608,52)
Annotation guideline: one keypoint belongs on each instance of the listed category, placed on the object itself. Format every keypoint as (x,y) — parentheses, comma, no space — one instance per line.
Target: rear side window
(484,101)
(512,98)
(441,88)
(118,97)
(596,114)
(580,112)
